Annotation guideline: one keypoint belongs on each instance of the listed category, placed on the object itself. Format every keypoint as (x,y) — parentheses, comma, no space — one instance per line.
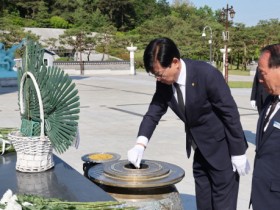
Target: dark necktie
(180,98)
(273,104)
(182,109)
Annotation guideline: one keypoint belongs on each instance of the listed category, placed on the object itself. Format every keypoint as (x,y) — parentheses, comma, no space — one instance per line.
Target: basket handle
(38,95)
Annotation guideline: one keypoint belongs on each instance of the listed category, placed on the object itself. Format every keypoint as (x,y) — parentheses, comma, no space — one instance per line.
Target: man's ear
(176,62)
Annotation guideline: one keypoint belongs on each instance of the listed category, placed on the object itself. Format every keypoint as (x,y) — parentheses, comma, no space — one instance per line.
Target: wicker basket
(34,153)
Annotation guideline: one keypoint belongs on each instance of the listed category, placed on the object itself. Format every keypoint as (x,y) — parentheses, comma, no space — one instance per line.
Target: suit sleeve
(254,87)
(156,110)
(225,108)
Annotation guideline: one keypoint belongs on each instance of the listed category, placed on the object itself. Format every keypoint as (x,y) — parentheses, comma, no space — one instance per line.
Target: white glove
(241,164)
(253,104)
(135,154)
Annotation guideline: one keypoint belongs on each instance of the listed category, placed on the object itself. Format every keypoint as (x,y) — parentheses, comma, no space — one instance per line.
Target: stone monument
(132,49)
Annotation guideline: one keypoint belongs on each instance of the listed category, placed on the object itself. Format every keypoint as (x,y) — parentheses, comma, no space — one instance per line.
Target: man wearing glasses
(200,97)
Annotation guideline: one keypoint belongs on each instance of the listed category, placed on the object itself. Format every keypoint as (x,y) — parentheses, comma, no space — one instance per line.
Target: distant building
(47,33)
(49,57)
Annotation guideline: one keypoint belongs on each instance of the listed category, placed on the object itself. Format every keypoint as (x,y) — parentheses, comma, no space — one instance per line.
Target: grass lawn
(238,84)
(239,72)
(232,84)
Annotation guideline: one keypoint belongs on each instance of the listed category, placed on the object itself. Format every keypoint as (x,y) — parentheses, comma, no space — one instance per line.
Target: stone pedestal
(150,187)
(132,49)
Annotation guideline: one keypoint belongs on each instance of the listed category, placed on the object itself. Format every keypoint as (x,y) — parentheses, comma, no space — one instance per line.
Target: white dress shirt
(271,116)
(181,81)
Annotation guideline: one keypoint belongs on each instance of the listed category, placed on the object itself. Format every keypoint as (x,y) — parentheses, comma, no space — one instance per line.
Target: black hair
(274,58)
(163,50)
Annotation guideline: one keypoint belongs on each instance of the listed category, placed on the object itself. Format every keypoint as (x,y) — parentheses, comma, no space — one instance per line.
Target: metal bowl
(100,157)
(121,173)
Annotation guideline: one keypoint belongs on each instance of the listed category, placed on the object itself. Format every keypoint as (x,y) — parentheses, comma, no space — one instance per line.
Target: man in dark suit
(258,94)
(266,174)
(211,118)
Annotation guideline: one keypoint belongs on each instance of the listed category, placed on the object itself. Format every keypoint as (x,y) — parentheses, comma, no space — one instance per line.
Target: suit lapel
(260,125)
(190,83)
(270,127)
(260,132)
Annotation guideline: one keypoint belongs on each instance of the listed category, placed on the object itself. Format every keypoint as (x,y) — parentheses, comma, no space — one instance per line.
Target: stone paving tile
(112,107)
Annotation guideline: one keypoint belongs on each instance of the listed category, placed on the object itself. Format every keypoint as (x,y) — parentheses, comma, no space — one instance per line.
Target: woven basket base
(34,154)
(34,163)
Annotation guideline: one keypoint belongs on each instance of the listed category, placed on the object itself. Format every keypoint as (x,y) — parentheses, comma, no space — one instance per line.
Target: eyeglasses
(159,76)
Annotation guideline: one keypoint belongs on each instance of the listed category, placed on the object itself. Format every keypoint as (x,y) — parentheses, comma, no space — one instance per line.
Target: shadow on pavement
(8,89)
(78,77)
(188,201)
(250,136)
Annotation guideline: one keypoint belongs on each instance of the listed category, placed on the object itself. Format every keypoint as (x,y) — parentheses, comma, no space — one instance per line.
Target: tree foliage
(58,22)
(122,22)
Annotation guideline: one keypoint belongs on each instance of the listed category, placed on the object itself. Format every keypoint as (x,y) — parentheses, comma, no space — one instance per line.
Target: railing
(93,65)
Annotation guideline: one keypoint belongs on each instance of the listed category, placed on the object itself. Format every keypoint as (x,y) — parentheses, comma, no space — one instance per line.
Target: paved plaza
(112,107)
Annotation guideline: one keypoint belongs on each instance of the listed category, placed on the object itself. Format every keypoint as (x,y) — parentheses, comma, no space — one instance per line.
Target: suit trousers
(215,189)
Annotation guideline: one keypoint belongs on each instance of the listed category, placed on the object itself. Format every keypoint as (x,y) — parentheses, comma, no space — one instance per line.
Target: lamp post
(210,41)
(224,14)
(224,58)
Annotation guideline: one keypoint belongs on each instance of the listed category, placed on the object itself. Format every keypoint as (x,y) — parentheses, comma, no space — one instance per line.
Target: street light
(210,40)
(224,15)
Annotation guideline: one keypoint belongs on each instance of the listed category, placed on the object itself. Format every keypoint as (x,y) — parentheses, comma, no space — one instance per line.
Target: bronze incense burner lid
(152,174)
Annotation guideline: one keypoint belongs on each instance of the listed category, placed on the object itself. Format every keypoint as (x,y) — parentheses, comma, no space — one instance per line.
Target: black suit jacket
(211,114)
(266,174)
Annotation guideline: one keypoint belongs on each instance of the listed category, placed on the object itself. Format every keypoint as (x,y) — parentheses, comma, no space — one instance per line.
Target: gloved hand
(253,104)
(241,164)
(135,154)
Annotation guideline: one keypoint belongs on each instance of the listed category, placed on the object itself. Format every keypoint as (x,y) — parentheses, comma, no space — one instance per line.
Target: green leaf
(59,98)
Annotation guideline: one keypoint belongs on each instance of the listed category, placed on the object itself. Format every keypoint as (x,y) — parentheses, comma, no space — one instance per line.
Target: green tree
(149,9)
(104,39)
(51,43)
(120,12)
(77,38)
(42,16)
(6,5)
(28,9)
(58,22)
(183,10)
(98,21)
(66,9)
(11,32)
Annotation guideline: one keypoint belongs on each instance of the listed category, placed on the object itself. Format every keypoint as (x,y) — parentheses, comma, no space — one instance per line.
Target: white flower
(10,201)
(26,204)
(13,198)
(6,197)
(13,205)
